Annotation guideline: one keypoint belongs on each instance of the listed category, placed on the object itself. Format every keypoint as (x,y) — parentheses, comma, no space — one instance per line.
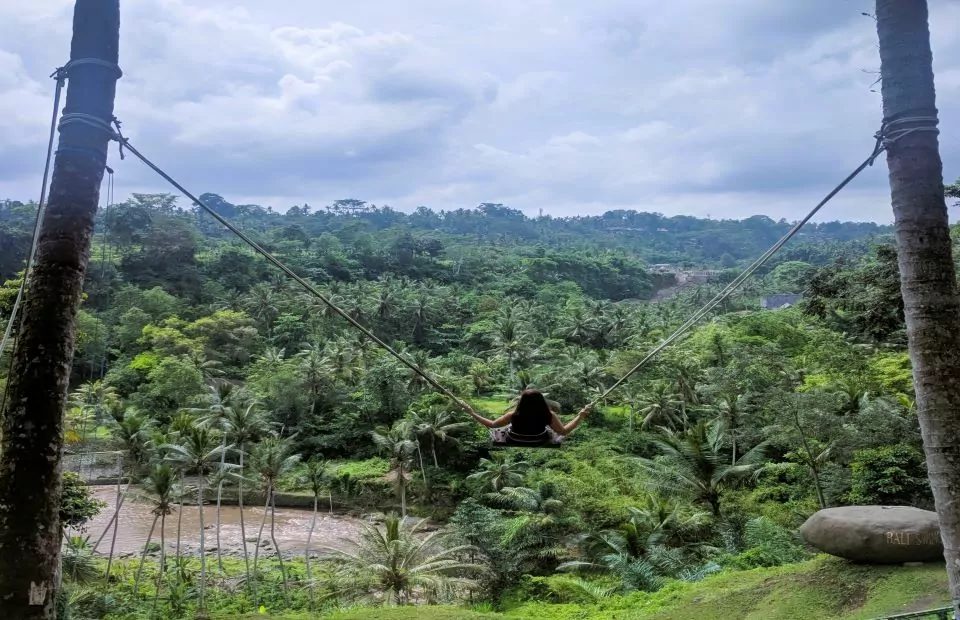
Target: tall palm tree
(928,280)
(422,313)
(397,566)
(397,444)
(480,373)
(728,407)
(133,432)
(437,424)
(96,399)
(693,463)
(198,450)
(160,486)
(579,326)
(315,370)
(221,396)
(318,479)
(271,458)
(242,425)
(498,472)
(661,406)
(345,362)
(509,339)
(35,391)
(262,304)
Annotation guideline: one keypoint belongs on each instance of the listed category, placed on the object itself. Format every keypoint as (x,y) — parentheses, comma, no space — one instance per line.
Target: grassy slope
(822,589)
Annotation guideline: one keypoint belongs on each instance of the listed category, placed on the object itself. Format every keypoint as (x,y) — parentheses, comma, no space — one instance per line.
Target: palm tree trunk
(143,558)
(116,517)
(31,445)
(927,272)
(433,450)
(243,529)
(423,472)
(330,495)
(179,518)
(223,462)
(402,481)
(811,459)
(113,519)
(306,553)
(163,562)
(203,550)
(256,550)
(273,539)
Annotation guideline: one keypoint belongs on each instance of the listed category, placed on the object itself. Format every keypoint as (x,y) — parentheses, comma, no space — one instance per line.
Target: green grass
(821,589)
(439,612)
(490,405)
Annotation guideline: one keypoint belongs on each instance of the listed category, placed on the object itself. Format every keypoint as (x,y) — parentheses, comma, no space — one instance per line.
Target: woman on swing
(530,422)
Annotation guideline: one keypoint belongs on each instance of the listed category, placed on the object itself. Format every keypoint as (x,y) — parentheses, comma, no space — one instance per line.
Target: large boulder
(876,534)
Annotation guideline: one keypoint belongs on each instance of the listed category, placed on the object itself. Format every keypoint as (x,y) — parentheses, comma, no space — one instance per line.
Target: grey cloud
(694,106)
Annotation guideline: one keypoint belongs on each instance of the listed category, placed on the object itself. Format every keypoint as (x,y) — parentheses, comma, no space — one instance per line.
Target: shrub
(893,475)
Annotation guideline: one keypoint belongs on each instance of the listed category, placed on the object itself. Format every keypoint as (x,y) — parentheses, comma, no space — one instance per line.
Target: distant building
(699,276)
(775,302)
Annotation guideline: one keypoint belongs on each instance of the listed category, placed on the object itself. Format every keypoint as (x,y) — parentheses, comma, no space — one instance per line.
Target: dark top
(530,426)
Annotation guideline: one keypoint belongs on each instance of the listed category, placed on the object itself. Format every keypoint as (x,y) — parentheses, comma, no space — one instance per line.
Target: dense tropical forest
(219,381)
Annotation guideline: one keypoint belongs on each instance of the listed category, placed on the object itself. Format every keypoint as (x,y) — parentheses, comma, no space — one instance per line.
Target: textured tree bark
(927,273)
(33,421)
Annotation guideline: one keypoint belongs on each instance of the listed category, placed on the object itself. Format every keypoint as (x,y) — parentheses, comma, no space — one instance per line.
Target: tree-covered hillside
(195,357)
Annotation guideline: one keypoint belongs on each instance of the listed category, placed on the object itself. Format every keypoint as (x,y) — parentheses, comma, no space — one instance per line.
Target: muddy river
(292,527)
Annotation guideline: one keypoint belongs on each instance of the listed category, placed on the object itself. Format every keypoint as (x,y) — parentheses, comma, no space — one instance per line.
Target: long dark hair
(532,406)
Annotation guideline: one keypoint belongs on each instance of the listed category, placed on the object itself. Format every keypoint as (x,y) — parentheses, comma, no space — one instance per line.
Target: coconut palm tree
(199,448)
(661,406)
(318,479)
(160,486)
(262,304)
(94,399)
(729,407)
(271,458)
(498,472)
(133,432)
(315,371)
(437,424)
(399,448)
(221,396)
(694,463)
(242,425)
(649,546)
(396,566)
(77,560)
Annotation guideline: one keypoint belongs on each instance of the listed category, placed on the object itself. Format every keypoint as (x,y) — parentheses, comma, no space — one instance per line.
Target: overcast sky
(728,108)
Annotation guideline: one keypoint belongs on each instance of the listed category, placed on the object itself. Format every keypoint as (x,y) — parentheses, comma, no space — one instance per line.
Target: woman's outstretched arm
(498,423)
(565,429)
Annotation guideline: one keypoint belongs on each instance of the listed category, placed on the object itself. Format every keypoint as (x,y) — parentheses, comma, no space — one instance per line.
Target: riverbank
(291,527)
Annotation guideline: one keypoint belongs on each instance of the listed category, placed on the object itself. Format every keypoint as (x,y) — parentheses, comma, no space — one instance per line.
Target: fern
(774,540)
(697,573)
(592,590)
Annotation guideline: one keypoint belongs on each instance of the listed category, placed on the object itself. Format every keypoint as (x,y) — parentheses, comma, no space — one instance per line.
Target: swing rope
(105,243)
(60,75)
(116,134)
(884,138)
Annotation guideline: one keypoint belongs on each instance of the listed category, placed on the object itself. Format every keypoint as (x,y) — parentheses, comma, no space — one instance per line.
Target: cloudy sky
(703,107)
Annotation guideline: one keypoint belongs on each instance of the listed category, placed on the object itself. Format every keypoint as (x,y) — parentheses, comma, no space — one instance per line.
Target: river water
(292,526)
